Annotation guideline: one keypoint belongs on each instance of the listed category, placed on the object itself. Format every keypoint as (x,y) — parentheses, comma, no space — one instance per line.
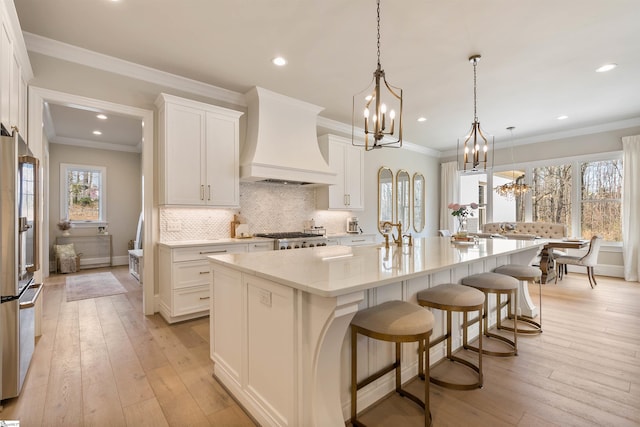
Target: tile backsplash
(265,207)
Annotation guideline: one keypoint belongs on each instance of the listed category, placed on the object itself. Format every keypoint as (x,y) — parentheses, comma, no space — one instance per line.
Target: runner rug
(92,285)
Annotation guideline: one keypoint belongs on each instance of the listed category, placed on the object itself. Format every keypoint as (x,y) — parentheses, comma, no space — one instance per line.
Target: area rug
(92,285)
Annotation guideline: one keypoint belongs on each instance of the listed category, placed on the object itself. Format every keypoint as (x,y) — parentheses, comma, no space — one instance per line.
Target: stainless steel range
(295,240)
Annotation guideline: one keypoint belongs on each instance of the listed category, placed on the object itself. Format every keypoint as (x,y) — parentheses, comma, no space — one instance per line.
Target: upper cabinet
(198,155)
(348,162)
(15,72)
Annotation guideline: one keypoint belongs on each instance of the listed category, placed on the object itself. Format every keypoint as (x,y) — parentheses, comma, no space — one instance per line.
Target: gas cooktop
(286,235)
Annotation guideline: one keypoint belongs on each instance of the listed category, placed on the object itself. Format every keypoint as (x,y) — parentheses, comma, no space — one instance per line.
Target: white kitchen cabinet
(348,162)
(260,246)
(357,239)
(15,71)
(185,279)
(199,153)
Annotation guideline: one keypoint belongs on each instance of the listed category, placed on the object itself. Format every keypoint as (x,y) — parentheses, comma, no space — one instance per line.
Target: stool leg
(354,373)
(398,370)
(515,323)
(427,407)
(480,333)
(448,334)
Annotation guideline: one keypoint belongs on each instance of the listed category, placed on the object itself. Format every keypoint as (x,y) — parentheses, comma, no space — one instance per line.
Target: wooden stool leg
(427,407)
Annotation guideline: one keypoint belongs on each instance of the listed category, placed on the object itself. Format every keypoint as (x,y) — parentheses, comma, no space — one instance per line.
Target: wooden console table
(96,249)
(547,264)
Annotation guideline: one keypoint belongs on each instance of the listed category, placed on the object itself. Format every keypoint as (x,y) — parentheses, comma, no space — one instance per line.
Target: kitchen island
(279,319)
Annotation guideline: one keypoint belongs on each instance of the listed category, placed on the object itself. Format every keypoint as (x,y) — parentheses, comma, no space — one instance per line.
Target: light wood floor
(101,362)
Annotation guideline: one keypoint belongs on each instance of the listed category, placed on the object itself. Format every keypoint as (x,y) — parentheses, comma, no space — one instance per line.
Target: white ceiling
(538,57)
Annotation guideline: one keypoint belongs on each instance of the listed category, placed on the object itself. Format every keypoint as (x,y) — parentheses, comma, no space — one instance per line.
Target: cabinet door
(354,177)
(6,57)
(337,193)
(185,130)
(222,168)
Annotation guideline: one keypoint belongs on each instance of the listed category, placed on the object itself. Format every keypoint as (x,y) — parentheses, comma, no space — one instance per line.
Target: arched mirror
(418,202)
(403,199)
(385,197)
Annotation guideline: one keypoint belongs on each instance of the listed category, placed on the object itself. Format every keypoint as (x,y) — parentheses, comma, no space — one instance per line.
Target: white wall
(124,193)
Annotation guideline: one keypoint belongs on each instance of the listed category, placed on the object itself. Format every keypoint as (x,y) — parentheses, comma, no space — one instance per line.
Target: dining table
(547,262)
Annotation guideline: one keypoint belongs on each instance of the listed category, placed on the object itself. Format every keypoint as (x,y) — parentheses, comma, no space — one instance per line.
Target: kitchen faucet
(386,226)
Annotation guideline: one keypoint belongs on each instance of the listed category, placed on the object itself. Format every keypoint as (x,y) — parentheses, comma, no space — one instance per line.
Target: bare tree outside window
(551,195)
(601,199)
(82,193)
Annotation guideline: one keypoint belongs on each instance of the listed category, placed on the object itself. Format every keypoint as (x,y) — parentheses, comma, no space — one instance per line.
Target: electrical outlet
(174,225)
(265,297)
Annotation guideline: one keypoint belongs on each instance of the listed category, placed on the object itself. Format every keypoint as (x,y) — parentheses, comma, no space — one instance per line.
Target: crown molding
(96,145)
(78,55)
(606,127)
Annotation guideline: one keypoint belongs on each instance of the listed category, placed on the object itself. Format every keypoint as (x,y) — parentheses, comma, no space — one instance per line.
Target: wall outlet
(174,225)
(265,297)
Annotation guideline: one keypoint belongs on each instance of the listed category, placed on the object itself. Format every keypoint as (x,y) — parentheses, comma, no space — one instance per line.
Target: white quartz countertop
(213,242)
(331,271)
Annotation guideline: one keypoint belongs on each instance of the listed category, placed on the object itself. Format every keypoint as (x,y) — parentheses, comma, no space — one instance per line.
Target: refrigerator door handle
(34,292)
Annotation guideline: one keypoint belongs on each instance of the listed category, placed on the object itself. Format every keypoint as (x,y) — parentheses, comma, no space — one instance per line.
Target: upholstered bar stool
(498,284)
(525,273)
(452,297)
(397,322)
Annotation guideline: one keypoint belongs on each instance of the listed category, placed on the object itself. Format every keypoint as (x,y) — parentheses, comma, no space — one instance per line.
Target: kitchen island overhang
(279,319)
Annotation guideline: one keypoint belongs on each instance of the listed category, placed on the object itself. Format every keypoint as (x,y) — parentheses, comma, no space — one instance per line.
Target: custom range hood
(282,143)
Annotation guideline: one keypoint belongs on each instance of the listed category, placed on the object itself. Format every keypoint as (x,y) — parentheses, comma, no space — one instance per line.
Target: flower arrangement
(65,225)
(462,212)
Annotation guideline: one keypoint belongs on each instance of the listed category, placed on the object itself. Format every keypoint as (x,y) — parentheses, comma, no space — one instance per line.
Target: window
(584,193)
(551,195)
(83,193)
(601,199)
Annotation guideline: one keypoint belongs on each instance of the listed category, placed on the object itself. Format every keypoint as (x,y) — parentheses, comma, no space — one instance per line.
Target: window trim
(64,194)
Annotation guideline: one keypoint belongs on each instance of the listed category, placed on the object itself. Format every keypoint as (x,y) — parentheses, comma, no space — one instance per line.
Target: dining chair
(590,260)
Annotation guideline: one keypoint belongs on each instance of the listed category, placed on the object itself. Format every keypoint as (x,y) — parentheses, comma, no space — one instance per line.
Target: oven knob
(296,247)
(282,248)
(288,247)
(322,244)
(304,245)
(311,245)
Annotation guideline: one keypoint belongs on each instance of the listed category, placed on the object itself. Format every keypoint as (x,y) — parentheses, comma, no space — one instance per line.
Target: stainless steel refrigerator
(18,260)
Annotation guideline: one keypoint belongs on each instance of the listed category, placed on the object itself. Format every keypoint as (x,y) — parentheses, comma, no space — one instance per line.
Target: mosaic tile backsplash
(265,207)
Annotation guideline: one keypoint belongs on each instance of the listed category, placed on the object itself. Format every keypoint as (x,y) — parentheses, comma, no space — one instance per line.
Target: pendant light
(381,117)
(515,188)
(476,144)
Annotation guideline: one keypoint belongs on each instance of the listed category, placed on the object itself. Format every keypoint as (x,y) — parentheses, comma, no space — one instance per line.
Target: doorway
(38,99)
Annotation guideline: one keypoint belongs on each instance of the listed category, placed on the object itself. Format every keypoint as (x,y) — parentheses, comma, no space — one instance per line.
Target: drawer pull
(204,272)
(358,240)
(213,252)
(202,298)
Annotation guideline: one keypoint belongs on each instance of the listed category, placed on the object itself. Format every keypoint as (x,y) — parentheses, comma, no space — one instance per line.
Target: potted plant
(65,225)
(462,212)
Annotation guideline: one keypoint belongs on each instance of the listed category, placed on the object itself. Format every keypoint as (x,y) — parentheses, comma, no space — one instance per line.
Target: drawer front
(191,300)
(202,252)
(261,247)
(191,273)
(358,240)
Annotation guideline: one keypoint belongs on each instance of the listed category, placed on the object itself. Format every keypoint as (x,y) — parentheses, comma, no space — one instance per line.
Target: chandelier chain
(475,96)
(378,44)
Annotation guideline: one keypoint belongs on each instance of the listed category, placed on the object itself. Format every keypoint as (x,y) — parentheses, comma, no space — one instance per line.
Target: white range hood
(282,142)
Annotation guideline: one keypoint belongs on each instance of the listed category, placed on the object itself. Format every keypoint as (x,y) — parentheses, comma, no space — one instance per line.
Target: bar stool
(498,284)
(526,273)
(453,297)
(392,321)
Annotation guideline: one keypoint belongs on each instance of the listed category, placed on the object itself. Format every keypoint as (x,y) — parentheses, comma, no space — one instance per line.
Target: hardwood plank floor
(101,362)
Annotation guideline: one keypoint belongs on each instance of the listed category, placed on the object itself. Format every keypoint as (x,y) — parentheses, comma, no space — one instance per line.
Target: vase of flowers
(462,212)
(65,225)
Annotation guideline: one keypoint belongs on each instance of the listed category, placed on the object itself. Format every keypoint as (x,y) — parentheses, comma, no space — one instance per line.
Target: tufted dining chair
(590,260)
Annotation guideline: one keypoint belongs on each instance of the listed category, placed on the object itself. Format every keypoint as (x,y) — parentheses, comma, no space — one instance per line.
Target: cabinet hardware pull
(201,298)
(204,272)
(202,192)
(358,240)
(209,197)
(213,252)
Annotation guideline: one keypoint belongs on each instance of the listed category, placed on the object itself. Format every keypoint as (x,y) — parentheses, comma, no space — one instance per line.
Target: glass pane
(385,196)
(83,188)
(551,195)
(473,189)
(602,199)
(418,202)
(403,199)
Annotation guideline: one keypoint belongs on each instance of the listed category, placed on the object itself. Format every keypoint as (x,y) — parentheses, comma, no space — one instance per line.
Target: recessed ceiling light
(279,61)
(422,119)
(606,67)
(562,117)
(101,117)
(97,132)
